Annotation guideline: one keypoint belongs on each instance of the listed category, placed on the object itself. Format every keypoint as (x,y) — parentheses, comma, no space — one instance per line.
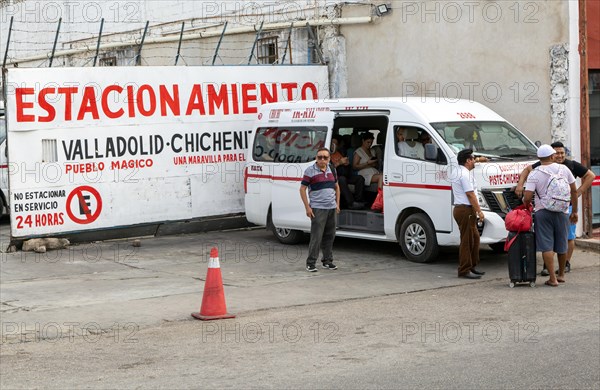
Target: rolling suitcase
(521,259)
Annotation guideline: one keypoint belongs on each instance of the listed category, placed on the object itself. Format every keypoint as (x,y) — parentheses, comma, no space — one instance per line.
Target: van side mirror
(538,143)
(431,152)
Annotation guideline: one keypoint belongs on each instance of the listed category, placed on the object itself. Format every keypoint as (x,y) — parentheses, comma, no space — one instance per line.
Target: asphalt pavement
(105,285)
(114,315)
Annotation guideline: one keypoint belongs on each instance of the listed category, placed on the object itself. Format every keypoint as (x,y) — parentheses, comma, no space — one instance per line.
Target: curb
(592,244)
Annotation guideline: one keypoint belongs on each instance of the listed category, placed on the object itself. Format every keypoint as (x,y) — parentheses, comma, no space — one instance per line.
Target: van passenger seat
(355,143)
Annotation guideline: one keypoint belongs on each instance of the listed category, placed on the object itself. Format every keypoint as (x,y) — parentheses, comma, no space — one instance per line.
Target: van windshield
(493,138)
(289,144)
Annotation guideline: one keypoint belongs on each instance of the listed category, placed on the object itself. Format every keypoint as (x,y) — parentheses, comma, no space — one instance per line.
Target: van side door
(412,181)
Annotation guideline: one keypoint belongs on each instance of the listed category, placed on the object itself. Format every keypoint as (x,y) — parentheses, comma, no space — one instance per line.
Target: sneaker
(329,266)
(544,272)
(311,268)
(567,268)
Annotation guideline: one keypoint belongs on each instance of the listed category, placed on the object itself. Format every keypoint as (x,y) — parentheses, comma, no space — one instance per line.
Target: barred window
(108,61)
(267,51)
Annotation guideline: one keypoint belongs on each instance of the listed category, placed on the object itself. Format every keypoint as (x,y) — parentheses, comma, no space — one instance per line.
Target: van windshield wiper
(494,156)
(521,155)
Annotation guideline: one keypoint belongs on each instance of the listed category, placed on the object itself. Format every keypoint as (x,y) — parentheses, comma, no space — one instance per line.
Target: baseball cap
(545,151)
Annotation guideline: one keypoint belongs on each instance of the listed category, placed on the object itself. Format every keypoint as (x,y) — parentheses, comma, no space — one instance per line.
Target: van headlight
(482,202)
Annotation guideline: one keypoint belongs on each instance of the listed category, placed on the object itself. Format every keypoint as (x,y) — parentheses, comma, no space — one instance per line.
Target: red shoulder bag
(518,220)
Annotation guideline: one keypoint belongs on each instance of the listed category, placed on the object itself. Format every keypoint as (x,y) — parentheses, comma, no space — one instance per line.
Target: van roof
(430,109)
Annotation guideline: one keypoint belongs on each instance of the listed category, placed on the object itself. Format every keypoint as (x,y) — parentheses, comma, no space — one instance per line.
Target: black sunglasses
(322,157)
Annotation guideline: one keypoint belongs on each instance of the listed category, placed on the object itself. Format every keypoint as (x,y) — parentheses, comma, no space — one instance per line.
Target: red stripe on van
(3,166)
(426,186)
(284,178)
(278,178)
(255,176)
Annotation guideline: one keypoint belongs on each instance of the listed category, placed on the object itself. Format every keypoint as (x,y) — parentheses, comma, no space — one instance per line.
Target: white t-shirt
(405,150)
(464,183)
(538,181)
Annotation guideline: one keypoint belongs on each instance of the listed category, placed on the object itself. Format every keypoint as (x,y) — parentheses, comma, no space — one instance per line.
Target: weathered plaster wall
(559,86)
(334,50)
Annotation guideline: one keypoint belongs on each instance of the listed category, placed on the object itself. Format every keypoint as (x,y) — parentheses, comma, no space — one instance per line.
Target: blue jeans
(322,234)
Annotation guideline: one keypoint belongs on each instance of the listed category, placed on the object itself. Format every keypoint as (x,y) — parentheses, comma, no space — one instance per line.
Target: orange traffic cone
(213,300)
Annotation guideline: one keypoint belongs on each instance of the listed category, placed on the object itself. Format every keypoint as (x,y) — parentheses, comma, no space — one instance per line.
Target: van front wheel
(417,239)
(286,236)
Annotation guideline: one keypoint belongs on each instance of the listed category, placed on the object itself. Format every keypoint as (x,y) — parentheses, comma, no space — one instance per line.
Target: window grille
(267,51)
(108,61)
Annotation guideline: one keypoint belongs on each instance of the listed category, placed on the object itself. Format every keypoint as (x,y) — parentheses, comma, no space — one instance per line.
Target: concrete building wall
(497,53)
(36,22)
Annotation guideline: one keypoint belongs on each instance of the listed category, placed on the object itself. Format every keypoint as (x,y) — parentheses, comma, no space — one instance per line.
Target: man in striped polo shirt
(324,194)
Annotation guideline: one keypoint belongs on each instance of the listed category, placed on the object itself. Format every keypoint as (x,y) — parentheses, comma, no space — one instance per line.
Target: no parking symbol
(84,205)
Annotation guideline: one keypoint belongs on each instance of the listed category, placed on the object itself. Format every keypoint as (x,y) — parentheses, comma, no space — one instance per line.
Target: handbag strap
(508,244)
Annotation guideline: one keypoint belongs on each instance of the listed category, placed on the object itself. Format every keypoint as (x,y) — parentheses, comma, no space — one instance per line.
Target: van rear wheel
(284,235)
(417,239)
(288,236)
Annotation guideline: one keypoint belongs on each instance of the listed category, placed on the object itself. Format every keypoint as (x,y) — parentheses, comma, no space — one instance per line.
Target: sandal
(560,280)
(548,283)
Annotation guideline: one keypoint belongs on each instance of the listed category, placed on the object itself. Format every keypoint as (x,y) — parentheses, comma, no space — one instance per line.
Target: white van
(4,208)
(418,200)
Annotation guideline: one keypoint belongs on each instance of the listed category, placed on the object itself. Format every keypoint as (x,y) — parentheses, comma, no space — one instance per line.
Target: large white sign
(95,148)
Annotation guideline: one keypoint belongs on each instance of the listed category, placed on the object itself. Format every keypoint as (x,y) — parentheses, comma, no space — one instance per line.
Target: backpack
(558,193)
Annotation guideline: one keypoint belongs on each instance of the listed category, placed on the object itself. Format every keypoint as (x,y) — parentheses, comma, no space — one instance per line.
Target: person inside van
(424,138)
(345,176)
(265,148)
(378,150)
(469,136)
(399,131)
(365,163)
(269,152)
(411,147)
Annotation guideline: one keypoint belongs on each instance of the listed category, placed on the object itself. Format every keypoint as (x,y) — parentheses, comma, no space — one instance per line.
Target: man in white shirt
(410,146)
(466,213)
(551,227)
